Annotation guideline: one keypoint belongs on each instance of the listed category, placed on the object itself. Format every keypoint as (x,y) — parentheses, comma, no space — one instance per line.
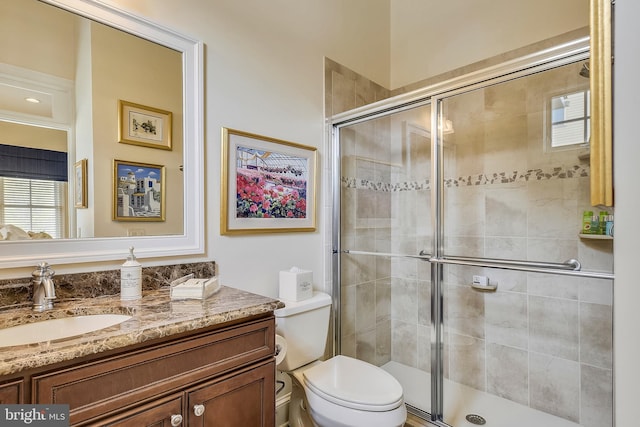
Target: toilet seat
(354,384)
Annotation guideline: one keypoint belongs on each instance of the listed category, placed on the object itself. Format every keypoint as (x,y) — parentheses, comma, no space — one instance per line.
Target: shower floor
(460,400)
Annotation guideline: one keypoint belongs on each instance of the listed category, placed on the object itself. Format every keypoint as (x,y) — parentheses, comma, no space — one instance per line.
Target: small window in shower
(569,121)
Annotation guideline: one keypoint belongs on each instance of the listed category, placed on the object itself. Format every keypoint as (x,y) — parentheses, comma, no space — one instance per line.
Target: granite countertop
(153,316)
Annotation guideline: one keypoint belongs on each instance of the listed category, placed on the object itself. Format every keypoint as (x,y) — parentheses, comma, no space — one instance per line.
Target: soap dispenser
(131,278)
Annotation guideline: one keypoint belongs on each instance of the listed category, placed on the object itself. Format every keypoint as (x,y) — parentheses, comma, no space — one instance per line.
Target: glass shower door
(521,345)
(385,221)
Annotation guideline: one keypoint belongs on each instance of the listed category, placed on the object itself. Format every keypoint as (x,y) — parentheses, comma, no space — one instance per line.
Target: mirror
(121,91)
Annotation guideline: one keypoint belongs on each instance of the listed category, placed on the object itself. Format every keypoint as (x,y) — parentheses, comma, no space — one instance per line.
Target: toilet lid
(355,384)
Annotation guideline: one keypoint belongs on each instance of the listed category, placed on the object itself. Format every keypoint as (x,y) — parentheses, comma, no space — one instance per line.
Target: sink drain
(476,419)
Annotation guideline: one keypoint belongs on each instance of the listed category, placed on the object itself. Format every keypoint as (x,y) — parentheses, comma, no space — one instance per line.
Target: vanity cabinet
(241,399)
(220,377)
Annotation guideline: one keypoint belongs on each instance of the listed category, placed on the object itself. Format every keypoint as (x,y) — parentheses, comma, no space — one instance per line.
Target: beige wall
(134,70)
(33,136)
(430,38)
(48,54)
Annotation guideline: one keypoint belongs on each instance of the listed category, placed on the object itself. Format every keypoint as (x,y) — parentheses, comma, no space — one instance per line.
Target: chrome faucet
(44,291)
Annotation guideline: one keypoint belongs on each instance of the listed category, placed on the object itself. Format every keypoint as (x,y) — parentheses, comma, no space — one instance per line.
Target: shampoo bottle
(131,278)
(586,222)
(603,222)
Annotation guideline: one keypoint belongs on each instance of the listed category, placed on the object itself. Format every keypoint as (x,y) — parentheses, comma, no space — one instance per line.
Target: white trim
(58,89)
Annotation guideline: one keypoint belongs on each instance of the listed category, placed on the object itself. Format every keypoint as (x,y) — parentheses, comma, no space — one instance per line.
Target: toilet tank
(304,326)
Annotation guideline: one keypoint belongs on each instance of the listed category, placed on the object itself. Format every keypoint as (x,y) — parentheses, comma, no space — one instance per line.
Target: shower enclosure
(458,260)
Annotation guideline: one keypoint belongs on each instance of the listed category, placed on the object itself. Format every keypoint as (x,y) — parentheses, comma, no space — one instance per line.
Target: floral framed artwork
(138,191)
(268,185)
(80,192)
(145,126)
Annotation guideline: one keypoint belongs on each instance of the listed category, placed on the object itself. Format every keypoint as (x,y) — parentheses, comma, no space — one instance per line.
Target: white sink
(55,329)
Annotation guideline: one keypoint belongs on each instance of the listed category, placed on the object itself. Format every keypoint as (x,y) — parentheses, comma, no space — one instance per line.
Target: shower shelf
(595,236)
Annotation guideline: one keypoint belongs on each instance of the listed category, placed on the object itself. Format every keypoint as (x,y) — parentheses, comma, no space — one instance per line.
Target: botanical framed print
(268,185)
(80,193)
(138,191)
(145,126)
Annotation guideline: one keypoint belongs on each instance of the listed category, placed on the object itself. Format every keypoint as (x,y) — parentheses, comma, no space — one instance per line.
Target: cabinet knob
(198,410)
(176,420)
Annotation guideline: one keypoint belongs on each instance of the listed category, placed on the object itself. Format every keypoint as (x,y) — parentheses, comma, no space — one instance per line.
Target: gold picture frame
(138,191)
(80,191)
(144,126)
(267,185)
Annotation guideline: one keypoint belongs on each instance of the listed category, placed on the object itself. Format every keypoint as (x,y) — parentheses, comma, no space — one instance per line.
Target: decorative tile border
(576,171)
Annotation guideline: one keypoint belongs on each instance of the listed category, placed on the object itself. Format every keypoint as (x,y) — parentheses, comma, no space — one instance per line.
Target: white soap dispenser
(131,278)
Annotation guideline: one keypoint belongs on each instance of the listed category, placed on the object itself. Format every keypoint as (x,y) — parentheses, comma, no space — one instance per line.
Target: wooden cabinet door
(246,399)
(11,392)
(165,412)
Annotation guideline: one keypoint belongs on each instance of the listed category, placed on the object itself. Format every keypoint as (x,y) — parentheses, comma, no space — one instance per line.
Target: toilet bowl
(347,392)
(340,391)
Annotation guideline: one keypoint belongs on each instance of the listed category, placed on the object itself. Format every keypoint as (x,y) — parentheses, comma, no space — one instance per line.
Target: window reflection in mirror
(570,119)
(102,66)
(33,182)
(567,112)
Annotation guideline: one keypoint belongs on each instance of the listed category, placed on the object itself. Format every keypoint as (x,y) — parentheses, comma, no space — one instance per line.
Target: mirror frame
(75,251)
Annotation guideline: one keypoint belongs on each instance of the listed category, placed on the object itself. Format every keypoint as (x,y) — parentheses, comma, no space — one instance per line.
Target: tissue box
(296,284)
(195,289)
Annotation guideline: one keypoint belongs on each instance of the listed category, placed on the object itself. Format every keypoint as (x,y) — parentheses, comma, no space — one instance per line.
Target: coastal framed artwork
(268,185)
(144,126)
(80,192)
(138,191)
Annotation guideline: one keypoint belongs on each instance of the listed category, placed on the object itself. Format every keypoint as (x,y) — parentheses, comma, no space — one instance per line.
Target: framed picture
(80,184)
(138,191)
(268,185)
(145,126)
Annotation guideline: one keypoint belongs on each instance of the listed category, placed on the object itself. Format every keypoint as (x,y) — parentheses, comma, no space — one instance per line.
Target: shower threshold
(460,401)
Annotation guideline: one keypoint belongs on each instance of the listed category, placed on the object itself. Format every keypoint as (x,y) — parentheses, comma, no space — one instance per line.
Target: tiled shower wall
(541,340)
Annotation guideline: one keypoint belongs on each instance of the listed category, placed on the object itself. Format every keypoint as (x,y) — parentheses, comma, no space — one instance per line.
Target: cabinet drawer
(11,392)
(123,381)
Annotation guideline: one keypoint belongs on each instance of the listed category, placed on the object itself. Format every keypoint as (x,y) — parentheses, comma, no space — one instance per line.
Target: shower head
(584,71)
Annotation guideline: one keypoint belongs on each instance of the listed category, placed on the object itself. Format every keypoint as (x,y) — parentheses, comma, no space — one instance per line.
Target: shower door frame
(563,54)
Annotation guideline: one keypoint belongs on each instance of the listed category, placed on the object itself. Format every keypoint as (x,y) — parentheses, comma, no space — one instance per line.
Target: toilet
(338,392)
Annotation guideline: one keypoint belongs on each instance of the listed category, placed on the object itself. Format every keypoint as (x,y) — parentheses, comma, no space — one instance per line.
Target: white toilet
(341,391)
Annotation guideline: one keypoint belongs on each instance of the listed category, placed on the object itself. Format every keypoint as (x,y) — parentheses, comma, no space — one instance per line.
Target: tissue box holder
(200,289)
(296,285)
